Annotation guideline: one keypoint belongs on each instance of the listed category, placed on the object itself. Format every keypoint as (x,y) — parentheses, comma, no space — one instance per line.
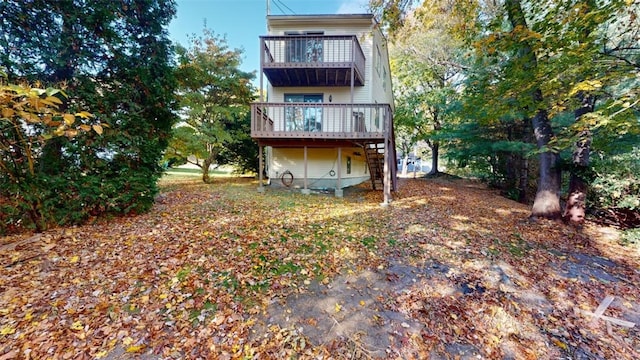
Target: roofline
(320,17)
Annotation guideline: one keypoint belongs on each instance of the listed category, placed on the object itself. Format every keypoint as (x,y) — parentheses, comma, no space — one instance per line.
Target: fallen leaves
(189,278)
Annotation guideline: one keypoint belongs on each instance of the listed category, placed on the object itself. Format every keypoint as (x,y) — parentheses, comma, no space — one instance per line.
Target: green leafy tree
(214,99)
(544,69)
(427,69)
(242,150)
(114,59)
(569,86)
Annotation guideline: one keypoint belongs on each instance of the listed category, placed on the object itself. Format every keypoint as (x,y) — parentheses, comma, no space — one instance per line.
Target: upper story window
(378,59)
(384,78)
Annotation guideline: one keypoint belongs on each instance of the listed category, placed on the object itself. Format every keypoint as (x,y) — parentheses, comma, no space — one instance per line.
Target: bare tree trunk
(405,162)
(435,151)
(206,165)
(547,200)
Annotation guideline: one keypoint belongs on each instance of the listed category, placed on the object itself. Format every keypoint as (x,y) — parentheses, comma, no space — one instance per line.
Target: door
(305,47)
(303,118)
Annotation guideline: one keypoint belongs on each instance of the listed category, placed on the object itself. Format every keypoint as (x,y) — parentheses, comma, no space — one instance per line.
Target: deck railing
(318,51)
(319,120)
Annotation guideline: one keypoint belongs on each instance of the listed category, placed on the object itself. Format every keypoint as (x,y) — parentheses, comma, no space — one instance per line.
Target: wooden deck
(318,123)
(312,60)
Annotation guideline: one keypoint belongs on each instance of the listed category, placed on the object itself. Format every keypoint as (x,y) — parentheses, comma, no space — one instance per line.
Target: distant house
(327,119)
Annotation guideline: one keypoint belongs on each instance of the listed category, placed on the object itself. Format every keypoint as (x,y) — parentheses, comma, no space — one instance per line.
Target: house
(325,120)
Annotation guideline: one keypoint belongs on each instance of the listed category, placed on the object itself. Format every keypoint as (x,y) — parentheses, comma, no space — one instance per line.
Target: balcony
(312,60)
(319,123)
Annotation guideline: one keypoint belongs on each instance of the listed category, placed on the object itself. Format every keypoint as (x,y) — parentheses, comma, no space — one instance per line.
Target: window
(303,118)
(378,59)
(348,164)
(384,79)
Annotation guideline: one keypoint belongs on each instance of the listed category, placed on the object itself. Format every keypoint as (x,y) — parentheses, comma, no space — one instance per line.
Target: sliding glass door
(303,118)
(305,47)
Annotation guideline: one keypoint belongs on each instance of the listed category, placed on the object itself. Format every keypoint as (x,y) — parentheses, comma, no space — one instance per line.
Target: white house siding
(322,168)
(381,81)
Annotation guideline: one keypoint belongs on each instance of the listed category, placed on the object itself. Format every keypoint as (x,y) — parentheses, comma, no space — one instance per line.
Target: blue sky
(243,21)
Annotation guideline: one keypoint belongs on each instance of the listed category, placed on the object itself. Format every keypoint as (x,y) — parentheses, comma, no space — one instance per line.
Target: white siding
(322,164)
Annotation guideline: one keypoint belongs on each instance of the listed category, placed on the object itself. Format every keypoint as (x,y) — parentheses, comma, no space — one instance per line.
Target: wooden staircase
(375,160)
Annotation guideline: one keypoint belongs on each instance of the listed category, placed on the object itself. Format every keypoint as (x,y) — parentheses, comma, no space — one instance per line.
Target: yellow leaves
(7,330)
(101,354)
(8,113)
(560,344)
(69,119)
(84,114)
(585,86)
(77,326)
(131,348)
(144,299)
(52,100)
(135,348)
(337,308)
(74,259)
(97,128)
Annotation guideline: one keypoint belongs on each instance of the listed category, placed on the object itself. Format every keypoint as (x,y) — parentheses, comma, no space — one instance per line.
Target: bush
(617,181)
(630,236)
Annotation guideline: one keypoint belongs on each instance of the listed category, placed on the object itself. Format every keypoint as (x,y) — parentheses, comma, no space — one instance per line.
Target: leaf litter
(450,270)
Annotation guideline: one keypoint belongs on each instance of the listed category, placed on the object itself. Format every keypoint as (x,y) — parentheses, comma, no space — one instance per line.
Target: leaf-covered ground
(449,270)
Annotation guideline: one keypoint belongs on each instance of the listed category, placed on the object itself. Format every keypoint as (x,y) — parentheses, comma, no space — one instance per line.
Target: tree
(114,59)
(242,150)
(29,119)
(427,70)
(214,99)
(572,83)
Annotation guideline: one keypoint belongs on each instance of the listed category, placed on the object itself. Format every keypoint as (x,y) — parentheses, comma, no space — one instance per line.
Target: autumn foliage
(199,275)
(30,118)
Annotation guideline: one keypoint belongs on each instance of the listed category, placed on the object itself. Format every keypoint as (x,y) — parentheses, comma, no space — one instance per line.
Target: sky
(243,21)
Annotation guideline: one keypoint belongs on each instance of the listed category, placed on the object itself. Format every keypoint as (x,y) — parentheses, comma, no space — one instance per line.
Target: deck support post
(260,168)
(339,191)
(386,182)
(306,190)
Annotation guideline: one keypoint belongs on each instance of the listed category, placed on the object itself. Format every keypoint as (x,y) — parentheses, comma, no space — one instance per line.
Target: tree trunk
(575,209)
(547,200)
(435,149)
(523,181)
(206,165)
(405,162)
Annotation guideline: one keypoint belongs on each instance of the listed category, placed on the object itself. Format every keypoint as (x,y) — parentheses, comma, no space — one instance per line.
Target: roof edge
(307,17)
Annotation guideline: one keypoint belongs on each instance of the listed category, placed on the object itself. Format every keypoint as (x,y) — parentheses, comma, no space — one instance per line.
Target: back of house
(325,118)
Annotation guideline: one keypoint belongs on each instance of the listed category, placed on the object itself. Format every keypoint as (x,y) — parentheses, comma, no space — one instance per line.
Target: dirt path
(478,295)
